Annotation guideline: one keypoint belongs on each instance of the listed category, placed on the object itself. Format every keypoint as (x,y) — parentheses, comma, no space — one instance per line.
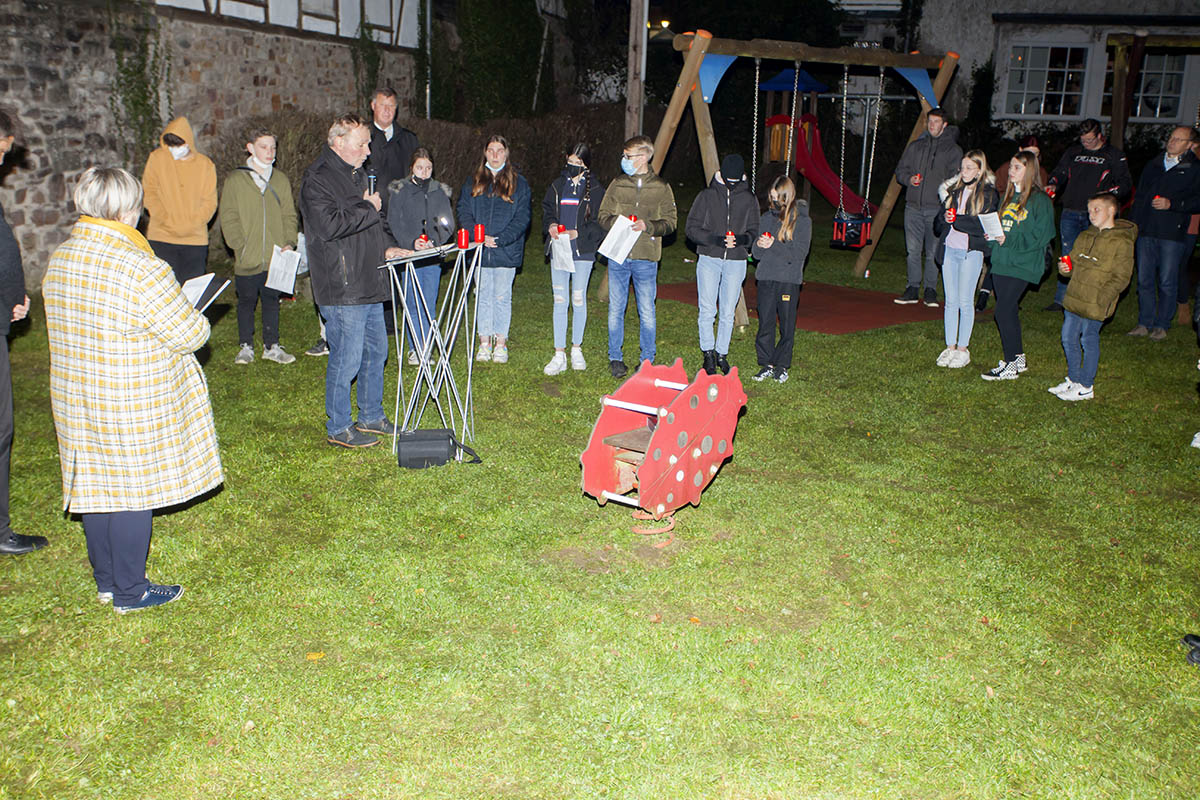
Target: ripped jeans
(577,283)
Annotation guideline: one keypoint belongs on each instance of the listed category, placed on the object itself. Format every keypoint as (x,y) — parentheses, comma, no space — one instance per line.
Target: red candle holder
(1066,263)
(463,239)
(633,217)
(953,212)
(479,231)
(917,179)
(562,228)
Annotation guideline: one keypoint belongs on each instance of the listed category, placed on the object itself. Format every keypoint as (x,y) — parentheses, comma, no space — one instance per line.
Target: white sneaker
(557,365)
(943,359)
(1077,392)
(484,353)
(577,362)
(412,358)
(1196,440)
(960,359)
(245,355)
(1058,389)
(278,355)
(500,354)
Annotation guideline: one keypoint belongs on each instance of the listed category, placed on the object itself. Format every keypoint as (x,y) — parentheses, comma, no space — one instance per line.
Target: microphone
(371,179)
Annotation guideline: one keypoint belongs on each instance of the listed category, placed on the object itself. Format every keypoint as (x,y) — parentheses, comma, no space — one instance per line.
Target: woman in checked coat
(130,403)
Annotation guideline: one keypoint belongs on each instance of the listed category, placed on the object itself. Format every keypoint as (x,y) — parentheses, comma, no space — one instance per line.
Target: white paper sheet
(620,240)
(561,257)
(992,229)
(202,290)
(281,274)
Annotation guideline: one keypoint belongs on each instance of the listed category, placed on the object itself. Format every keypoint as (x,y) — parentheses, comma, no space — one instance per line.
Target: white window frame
(1000,101)
(1187,94)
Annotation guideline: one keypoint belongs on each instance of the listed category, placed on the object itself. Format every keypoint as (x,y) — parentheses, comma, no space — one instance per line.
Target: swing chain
(792,126)
(841,212)
(754,133)
(874,135)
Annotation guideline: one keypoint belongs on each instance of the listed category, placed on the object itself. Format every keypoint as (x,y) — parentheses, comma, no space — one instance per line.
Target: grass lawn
(907,583)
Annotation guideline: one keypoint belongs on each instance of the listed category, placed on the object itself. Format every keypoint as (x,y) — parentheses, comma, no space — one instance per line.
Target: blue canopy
(784,80)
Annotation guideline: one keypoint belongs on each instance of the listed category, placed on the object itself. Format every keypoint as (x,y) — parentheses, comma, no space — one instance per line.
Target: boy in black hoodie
(723,223)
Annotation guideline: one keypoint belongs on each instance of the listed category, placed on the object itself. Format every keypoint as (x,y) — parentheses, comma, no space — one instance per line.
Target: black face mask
(575,170)
(970,182)
(422,182)
(732,183)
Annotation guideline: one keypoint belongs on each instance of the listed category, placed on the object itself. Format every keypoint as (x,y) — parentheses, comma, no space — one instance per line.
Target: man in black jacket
(931,159)
(347,241)
(1091,166)
(391,145)
(1168,194)
(15,304)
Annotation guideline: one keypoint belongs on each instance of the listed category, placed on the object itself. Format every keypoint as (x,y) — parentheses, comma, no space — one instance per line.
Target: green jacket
(253,222)
(648,197)
(1026,233)
(1101,266)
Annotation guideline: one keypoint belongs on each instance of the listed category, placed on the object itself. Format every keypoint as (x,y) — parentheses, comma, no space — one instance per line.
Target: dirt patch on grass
(593,562)
(551,389)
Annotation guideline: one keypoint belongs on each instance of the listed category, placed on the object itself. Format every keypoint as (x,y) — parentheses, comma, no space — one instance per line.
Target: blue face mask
(627,165)
(495,170)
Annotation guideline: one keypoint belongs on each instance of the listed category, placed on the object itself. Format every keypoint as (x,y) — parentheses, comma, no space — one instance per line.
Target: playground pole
(679,98)
(940,82)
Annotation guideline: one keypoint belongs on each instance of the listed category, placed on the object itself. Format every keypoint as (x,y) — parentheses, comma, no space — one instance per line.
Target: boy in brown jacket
(1100,265)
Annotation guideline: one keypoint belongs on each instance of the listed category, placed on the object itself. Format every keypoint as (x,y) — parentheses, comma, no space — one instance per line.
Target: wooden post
(679,98)
(1120,106)
(893,193)
(1136,55)
(637,54)
(704,132)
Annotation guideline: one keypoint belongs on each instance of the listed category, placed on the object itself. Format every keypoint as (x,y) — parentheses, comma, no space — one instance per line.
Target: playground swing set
(657,433)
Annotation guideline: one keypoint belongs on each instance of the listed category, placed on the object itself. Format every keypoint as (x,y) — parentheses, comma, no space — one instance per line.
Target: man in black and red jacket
(1087,168)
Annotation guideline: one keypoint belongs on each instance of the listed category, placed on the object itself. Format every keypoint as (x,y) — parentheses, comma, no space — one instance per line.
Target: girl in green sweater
(1018,257)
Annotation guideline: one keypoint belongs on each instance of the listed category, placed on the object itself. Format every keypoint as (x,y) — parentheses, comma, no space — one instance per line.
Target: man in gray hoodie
(931,159)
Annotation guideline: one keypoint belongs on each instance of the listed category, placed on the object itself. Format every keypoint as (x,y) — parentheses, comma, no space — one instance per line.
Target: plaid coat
(130,402)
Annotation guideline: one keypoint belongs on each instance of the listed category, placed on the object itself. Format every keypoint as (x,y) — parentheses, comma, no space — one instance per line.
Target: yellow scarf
(132,234)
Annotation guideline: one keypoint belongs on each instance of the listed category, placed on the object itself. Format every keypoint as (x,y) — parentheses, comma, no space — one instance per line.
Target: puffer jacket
(933,158)
(650,199)
(345,236)
(1101,266)
(415,209)
(507,220)
(719,209)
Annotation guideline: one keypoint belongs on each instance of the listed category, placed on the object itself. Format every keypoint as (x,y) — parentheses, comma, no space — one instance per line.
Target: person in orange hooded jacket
(181,197)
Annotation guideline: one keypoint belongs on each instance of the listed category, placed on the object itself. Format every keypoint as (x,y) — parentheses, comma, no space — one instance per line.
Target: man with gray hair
(14,305)
(347,241)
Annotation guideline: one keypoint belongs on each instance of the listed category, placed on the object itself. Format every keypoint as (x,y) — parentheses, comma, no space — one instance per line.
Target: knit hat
(733,167)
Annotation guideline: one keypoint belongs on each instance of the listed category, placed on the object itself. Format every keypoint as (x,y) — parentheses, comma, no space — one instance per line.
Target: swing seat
(850,231)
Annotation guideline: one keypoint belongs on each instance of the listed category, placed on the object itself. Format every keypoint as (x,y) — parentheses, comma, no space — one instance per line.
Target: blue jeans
(1158,274)
(960,274)
(428,278)
(357,349)
(718,286)
(578,281)
(1070,225)
(495,301)
(1080,331)
(645,288)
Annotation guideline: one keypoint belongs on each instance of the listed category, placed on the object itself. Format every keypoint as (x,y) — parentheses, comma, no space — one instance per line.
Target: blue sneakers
(155,595)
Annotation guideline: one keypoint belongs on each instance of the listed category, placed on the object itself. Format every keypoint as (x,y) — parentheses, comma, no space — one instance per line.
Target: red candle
(1066,262)
(953,212)
(917,179)
(479,231)
(767,234)
(562,228)
(463,240)
(633,217)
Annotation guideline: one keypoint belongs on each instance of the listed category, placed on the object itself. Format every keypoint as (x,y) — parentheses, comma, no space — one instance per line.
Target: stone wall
(56,69)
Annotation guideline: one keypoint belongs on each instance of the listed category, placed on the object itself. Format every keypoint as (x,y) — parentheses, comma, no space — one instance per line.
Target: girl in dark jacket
(961,250)
(421,218)
(573,202)
(498,198)
(780,250)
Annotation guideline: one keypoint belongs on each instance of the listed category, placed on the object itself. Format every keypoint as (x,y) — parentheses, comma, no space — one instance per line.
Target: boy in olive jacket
(1099,266)
(258,213)
(642,194)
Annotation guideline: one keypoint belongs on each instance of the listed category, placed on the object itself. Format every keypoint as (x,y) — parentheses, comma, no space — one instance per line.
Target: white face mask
(262,165)
(179,152)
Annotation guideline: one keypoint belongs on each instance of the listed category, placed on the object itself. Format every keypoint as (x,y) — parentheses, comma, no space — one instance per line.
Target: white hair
(108,193)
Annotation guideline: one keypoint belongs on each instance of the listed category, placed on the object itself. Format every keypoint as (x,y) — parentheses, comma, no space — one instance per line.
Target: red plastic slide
(814,166)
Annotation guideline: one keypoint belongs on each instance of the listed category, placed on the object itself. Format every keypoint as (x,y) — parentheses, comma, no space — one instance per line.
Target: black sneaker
(352,438)
(1004,371)
(710,361)
(1053,307)
(383,427)
(982,300)
(908,298)
(723,363)
(931,298)
(321,348)
(618,368)
(781,376)
(764,373)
